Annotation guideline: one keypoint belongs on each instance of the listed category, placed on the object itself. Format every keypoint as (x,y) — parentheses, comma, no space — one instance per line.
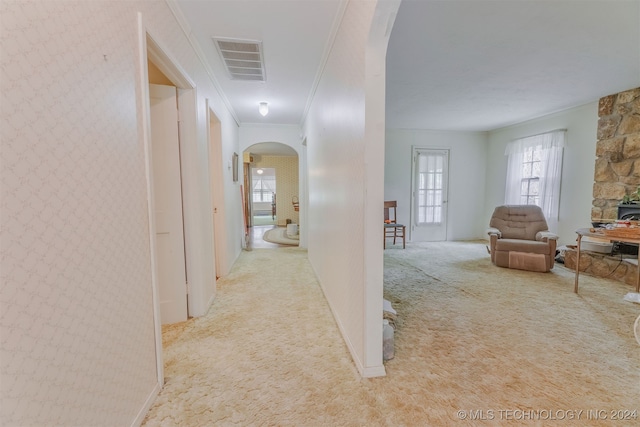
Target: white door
(429,201)
(167,191)
(216,183)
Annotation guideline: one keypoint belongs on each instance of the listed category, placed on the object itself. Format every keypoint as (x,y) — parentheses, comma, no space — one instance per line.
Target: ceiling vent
(242,58)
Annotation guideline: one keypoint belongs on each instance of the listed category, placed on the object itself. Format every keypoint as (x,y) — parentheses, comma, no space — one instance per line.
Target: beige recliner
(520,238)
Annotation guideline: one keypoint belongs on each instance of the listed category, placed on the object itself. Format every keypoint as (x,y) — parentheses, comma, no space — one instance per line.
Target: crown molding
(186,29)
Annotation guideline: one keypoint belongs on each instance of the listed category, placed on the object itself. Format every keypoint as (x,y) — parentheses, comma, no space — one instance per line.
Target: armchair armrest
(544,236)
(495,231)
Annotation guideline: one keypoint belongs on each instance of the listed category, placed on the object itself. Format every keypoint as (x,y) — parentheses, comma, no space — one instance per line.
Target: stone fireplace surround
(617,168)
(617,173)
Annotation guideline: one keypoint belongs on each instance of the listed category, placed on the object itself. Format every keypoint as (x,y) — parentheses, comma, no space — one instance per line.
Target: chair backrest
(519,221)
(390,210)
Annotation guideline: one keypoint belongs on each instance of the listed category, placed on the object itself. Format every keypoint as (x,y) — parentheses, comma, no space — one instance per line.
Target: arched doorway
(271,182)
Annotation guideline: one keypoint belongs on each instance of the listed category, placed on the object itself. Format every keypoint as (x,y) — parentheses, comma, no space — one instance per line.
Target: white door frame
(412,216)
(150,49)
(304,193)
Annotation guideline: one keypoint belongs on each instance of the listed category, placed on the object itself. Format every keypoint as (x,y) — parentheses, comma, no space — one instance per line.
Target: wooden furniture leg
(575,286)
(404,241)
(638,274)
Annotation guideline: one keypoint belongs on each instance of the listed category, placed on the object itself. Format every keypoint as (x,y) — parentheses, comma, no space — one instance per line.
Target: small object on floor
(632,297)
(560,253)
(386,306)
(292,231)
(388,350)
(388,313)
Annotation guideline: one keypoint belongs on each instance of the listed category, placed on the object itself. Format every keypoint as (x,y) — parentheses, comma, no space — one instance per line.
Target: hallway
(267,353)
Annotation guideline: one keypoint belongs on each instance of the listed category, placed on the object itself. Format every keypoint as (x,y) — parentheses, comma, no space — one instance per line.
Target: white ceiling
(294,36)
(481,65)
(451,65)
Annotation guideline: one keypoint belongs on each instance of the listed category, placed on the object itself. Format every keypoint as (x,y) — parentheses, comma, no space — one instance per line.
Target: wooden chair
(391,226)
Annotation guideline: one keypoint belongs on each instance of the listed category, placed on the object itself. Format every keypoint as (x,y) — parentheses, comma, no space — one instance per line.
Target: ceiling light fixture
(263,108)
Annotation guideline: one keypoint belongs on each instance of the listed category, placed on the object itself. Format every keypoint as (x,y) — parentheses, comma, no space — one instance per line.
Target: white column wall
(344,130)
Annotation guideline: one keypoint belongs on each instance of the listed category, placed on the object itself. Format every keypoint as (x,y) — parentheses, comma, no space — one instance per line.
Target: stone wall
(619,268)
(617,171)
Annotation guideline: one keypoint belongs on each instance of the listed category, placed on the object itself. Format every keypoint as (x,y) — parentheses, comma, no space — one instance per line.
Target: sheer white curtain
(550,146)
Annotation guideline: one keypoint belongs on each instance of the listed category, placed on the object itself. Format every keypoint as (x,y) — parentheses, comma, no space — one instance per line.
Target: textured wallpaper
(286,184)
(77,320)
(77,343)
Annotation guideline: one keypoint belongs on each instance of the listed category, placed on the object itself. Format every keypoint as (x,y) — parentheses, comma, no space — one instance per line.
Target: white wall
(344,131)
(78,336)
(285,134)
(478,168)
(467,172)
(576,193)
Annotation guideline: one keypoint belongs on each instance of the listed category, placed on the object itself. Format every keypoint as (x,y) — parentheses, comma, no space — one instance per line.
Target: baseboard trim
(365,372)
(212,299)
(345,337)
(137,422)
(374,371)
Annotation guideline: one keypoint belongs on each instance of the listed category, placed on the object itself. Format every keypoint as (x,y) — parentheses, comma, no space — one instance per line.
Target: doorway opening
(271,195)
(169,152)
(429,201)
(279,164)
(168,203)
(263,196)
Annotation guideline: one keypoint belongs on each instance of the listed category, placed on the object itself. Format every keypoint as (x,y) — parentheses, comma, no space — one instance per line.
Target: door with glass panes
(429,195)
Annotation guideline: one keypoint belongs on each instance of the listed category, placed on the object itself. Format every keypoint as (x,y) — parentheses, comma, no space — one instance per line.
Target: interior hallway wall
(576,191)
(344,130)
(77,331)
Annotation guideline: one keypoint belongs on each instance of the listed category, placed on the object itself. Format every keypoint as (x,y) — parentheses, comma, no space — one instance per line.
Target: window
(530,182)
(431,190)
(534,172)
(264,184)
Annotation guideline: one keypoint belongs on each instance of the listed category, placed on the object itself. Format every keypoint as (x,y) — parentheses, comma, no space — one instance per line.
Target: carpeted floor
(505,347)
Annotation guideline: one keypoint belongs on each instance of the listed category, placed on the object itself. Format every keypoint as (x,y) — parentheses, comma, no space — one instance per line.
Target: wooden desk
(586,232)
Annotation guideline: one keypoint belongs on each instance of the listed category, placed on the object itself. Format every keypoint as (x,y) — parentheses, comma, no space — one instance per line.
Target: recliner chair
(519,238)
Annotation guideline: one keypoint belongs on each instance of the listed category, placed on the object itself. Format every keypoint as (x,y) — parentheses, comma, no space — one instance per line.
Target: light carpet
(279,235)
(471,337)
